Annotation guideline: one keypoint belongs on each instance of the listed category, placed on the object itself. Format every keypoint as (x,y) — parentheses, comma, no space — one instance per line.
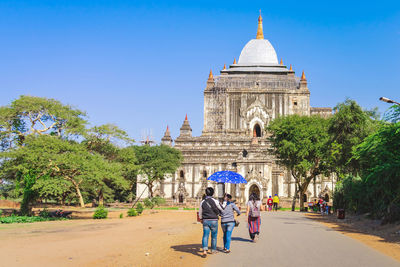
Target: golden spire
(291,69)
(281,62)
(260,34)
(303,77)
(234,61)
(224,66)
(210,77)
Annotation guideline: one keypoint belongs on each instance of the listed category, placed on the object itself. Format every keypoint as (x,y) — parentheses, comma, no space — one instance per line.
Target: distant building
(238,105)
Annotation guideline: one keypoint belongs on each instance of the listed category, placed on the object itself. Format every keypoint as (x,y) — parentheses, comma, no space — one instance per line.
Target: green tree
(347,128)
(379,158)
(30,115)
(51,156)
(300,144)
(155,162)
(106,140)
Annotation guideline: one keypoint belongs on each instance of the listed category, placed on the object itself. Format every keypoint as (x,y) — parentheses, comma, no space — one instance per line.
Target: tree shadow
(240,239)
(194,249)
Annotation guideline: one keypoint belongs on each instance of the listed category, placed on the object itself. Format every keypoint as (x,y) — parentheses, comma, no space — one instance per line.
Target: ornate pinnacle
(234,61)
(224,67)
(210,77)
(260,34)
(303,77)
(186,118)
(291,69)
(281,62)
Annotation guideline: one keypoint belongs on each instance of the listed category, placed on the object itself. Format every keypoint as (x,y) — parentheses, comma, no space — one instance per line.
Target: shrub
(139,208)
(121,215)
(100,213)
(44,213)
(132,212)
(157,201)
(1,212)
(148,203)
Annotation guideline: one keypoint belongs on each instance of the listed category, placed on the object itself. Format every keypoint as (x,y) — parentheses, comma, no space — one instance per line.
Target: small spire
(234,61)
(291,69)
(281,62)
(260,34)
(186,118)
(210,77)
(303,77)
(167,128)
(224,66)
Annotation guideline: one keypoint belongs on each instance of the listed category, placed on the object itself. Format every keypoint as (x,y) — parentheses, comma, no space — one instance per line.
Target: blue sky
(144,64)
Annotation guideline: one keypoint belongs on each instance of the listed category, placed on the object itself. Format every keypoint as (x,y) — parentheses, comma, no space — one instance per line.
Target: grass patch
(167,208)
(27,219)
(288,209)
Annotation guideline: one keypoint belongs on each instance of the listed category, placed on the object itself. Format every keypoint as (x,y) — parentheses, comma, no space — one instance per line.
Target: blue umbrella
(227,177)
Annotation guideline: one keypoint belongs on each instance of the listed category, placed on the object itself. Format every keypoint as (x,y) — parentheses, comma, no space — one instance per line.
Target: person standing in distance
(209,211)
(270,202)
(276,202)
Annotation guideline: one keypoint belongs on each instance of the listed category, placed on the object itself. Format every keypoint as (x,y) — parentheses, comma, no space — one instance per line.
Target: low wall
(4,203)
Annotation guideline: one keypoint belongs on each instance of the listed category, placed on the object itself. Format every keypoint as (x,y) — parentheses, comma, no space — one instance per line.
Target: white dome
(258,52)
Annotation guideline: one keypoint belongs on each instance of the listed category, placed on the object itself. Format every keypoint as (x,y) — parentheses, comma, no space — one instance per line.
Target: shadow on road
(189,248)
(240,239)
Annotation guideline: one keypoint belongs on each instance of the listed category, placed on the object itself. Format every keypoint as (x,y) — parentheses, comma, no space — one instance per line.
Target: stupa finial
(260,34)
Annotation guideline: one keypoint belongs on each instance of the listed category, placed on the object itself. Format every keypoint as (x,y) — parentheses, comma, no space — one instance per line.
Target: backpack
(254,211)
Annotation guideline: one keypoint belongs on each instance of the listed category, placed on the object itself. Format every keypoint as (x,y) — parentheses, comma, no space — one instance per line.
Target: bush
(139,208)
(100,213)
(1,212)
(157,201)
(132,212)
(44,213)
(148,203)
(121,215)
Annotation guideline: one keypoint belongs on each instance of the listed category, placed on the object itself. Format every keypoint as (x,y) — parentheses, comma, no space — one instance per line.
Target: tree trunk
(294,199)
(101,198)
(78,192)
(150,186)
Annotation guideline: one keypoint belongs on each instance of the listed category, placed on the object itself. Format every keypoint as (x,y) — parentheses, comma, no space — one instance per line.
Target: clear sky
(144,64)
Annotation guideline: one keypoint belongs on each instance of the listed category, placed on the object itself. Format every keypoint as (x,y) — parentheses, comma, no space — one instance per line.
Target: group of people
(211,209)
(273,203)
(320,205)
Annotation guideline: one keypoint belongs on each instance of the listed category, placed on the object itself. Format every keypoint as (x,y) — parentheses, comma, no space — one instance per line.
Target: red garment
(270,201)
(254,224)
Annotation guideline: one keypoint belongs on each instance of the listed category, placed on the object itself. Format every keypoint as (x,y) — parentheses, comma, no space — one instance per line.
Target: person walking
(276,202)
(270,202)
(253,214)
(209,211)
(228,221)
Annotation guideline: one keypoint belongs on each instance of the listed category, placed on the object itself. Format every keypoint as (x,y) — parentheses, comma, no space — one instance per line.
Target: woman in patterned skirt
(254,219)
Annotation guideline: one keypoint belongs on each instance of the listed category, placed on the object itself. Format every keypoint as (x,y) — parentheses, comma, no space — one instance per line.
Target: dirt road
(166,238)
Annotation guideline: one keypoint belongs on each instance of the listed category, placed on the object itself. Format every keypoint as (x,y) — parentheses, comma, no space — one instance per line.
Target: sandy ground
(163,238)
(385,239)
(171,238)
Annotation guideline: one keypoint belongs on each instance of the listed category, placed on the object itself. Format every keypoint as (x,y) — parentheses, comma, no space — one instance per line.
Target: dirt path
(171,238)
(381,238)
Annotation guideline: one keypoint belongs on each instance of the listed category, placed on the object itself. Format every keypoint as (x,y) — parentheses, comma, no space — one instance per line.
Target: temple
(238,105)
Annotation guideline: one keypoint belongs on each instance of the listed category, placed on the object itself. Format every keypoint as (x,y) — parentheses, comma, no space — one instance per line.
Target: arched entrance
(254,189)
(257,131)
